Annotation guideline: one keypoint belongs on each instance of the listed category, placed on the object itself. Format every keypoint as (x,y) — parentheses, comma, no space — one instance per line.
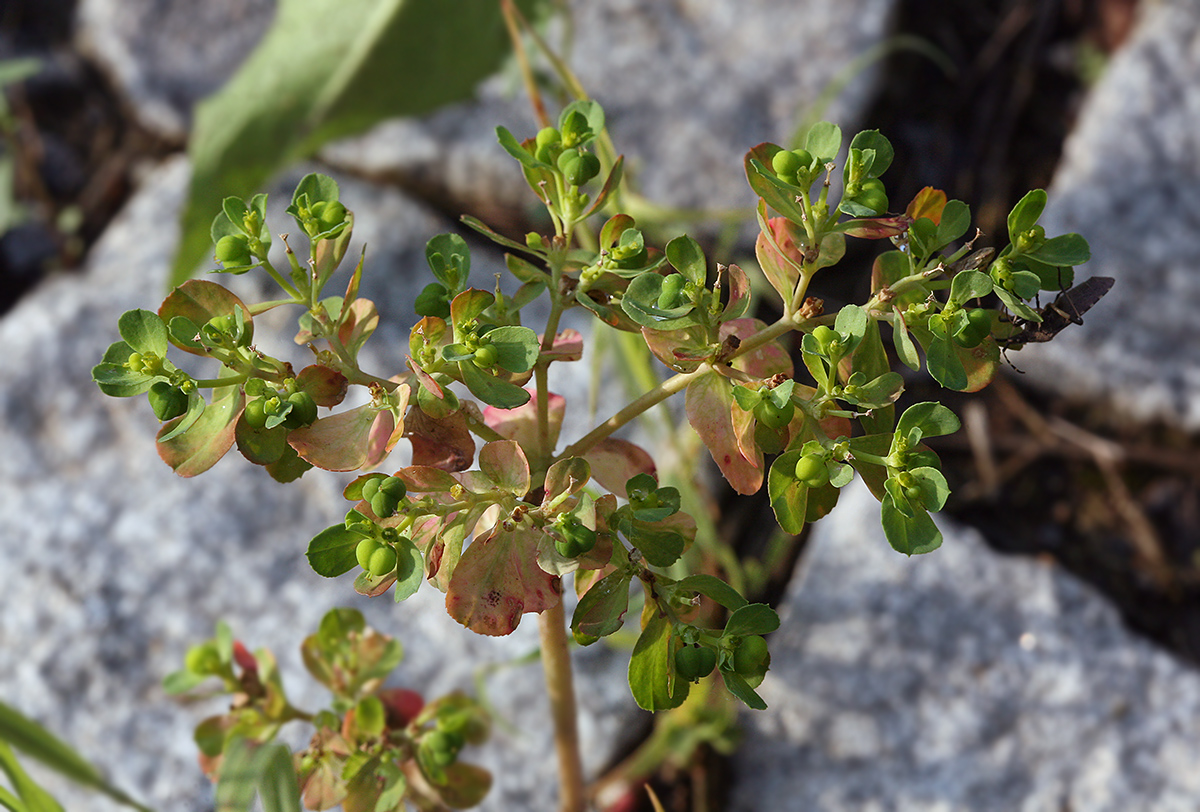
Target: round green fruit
(977,328)
(365,549)
(371,487)
(786,164)
(486,356)
(693,663)
(669,294)
(382,561)
(774,416)
(812,471)
(233,250)
(166,400)
(751,658)
(303,411)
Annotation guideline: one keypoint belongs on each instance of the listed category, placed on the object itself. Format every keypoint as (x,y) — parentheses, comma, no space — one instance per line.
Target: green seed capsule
(774,416)
(548,136)
(672,287)
(233,250)
(786,164)
(812,471)
(693,663)
(383,505)
(303,411)
(370,488)
(977,328)
(382,561)
(365,549)
(485,356)
(394,487)
(167,401)
(751,658)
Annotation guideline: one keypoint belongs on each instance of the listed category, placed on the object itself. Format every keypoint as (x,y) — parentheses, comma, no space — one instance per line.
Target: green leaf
(115,379)
(824,140)
(1025,214)
(753,618)
(742,690)
(198,300)
(513,147)
(945,365)
(410,569)
(144,331)
(331,552)
(687,257)
(651,668)
(1065,249)
(247,769)
(319,75)
(909,535)
(38,743)
(933,419)
(640,303)
(183,423)
(450,260)
(956,219)
(32,797)
(789,496)
(774,192)
(517,348)
(601,610)
(873,140)
(660,542)
(492,390)
(969,285)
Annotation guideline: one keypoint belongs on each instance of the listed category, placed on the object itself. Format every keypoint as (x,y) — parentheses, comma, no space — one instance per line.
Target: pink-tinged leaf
(566,476)
(470,304)
(385,432)
(764,362)
(928,203)
(340,442)
(199,300)
(521,423)
(709,402)
(199,448)
(737,299)
(327,386)
(424,479)
(504,463)
(497,580)
(743,428)
(615,461)
(682,350)
(372,586)
(568,346)
(429,331)
(876,228)
(445,443)
(358,321)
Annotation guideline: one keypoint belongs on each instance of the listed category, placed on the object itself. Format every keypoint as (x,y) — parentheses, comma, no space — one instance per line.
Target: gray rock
(960,680)
(166,56)
(114,565)
(689,87)
(1128,183)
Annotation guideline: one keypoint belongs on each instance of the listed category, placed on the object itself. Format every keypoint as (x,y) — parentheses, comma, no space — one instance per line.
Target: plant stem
(560,688)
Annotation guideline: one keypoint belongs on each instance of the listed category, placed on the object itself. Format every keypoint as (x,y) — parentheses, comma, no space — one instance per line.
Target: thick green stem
(560,688)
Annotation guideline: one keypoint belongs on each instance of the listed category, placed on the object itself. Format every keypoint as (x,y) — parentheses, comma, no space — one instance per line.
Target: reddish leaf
(566,476)
(681,350)
(445,443)
(497,580)
(929,203)
(709,403)
(521,423)
(743,428)
(568,346)
(340,442)
(327,386)
(773,256)
(876,228)
(199,448)
(765,362)
(199,300)
(358,321)
(614,462)
(424,479)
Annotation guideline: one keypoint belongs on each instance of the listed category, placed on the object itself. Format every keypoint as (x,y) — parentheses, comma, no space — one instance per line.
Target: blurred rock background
(970,679)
